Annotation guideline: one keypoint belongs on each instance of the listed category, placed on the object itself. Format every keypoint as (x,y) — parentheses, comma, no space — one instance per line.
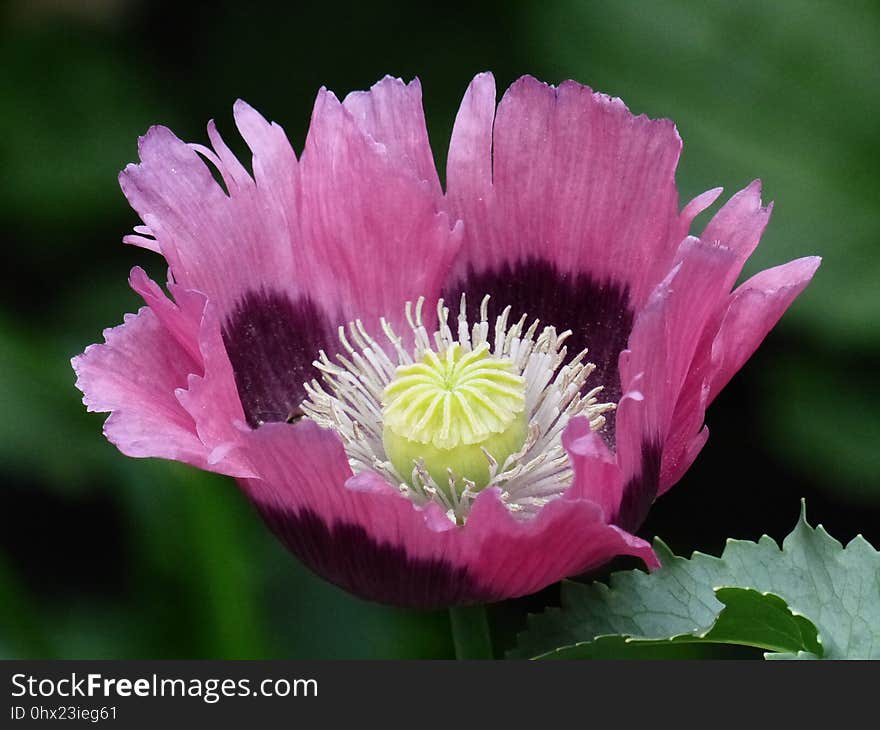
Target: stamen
(487,373)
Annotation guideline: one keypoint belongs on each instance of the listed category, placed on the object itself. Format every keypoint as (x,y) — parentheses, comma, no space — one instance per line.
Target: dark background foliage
(104,556)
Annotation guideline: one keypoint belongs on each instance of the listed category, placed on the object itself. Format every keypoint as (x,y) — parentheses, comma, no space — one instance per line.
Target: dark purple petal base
(272,341)
(348,557)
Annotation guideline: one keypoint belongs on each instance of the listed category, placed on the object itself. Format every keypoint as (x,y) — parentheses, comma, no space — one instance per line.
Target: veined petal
(180,318)
(697,206)
(740,223)
(212,399)
(374,235)
(661,351)
(210,396)
(566,175)
(666,333)
(281,272)
(361,534)
(727,342)
(221,245)
(134,374)
(755,308)
(238,249)
(391,114)
(570,209)
(597,476)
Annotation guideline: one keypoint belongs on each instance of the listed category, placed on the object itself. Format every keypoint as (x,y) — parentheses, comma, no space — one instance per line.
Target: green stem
(470,632)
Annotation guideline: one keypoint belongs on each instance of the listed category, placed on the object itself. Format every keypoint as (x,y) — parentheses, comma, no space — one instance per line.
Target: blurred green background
(104,556)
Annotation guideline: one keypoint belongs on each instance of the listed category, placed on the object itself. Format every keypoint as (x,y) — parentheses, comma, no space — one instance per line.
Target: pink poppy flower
(359,348)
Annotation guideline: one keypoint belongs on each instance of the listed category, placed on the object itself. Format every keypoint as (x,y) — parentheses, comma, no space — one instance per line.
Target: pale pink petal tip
(134,375)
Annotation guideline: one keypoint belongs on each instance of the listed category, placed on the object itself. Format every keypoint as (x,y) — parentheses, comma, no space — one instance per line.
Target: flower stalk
(470,632)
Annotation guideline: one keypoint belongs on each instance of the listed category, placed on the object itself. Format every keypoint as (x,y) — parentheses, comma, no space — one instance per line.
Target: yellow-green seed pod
(447,407)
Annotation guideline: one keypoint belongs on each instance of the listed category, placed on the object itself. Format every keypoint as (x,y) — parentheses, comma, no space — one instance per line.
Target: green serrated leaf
(834,588)
(762,620)
(749,618)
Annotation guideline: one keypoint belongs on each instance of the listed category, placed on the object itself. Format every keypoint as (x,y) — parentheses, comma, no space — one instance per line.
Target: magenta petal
(242,249)
(665,338)
(667,332)
(221,245)
(755,308)
(566,538)
(275,166)
(698,205)
(211,398)
(367,539)
(469,161)
(391,114)
(740,223)
(374,236)
(134,374)
(143,237)
(737,227)
(559,174)
(180,318)
(370,540)
(235,176)
(210,395)
(596,475)
(570,211)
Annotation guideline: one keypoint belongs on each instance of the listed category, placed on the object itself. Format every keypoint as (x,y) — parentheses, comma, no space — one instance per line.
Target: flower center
(461,408)
(449,410)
